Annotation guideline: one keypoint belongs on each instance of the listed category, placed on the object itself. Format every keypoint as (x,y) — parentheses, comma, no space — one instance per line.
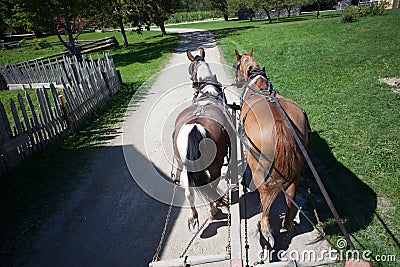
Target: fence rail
(32,125)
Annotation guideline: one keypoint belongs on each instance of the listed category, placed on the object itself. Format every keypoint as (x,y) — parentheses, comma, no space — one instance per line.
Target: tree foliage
(250,7)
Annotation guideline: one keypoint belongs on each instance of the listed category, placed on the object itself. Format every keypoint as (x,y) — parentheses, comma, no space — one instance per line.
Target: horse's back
(210,114)
(268,133)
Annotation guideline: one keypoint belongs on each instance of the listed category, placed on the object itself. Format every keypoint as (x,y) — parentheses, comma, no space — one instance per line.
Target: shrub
(22,42)
(374,9)
(350,14)
(40,43)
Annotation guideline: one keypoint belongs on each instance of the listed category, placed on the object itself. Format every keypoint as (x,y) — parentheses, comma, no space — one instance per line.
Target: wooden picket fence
(86,84)
(49,69)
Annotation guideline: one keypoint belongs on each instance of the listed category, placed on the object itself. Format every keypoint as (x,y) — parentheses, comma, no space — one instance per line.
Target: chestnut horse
(273,156)
(201,140)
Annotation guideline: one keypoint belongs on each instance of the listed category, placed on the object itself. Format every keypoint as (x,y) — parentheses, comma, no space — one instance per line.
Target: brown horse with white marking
(273,156)
(201,140)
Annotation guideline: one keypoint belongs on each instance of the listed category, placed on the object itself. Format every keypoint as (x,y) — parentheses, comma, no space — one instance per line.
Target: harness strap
(254,75)
(317,178)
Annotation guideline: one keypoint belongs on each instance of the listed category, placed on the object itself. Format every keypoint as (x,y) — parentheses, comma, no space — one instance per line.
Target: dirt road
(116,216)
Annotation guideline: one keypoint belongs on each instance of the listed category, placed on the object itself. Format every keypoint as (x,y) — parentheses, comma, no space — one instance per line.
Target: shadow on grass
(305,17)
(222,33)
(354,200)
(144,52)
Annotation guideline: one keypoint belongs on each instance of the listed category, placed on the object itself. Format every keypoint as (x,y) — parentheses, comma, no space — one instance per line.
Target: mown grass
(332,69)
(36,188)
(234,23)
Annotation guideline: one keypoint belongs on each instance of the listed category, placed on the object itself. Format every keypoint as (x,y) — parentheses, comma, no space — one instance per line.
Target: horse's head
(244,65)
(199,70)
(200,73)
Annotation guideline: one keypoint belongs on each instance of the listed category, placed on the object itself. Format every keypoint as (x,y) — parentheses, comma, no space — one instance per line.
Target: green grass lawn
(332,69)
(36,188)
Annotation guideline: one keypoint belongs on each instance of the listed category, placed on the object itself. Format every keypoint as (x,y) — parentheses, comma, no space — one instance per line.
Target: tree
(28,16)
(244,9)
(290,4)
(160,12)
(72,16)
(267,6)
(221,5)
(117,8)
(64,17)
(142,13)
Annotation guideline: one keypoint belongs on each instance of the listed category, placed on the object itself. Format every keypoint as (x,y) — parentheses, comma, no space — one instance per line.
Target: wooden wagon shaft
(190,260)
(235,232)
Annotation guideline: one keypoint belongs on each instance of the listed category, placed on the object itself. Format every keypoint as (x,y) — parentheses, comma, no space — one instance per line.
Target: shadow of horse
(354,200)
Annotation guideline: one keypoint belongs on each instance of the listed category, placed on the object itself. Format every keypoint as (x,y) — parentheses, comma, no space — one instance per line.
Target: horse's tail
(289,160)
(197,174)
(189,139)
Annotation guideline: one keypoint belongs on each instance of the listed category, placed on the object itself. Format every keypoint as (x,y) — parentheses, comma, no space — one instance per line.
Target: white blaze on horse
(201,141)
(272,154)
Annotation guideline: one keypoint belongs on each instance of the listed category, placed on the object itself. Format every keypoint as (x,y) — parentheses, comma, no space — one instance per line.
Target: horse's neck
(204,72)
(210,89)
(259,82)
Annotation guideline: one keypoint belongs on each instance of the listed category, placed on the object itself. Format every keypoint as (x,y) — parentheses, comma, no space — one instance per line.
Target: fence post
(105,78)
(65,113)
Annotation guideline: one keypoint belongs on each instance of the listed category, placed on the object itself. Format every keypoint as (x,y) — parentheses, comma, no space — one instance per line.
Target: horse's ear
(263,68)
(215,78)
(238,56)
(250,52)
(202,52)
(189,55)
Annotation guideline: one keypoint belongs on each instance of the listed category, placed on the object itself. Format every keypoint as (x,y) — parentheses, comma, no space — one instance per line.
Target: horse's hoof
(213,212)
(287,227)
(193,225)
(266,233)
(270,239)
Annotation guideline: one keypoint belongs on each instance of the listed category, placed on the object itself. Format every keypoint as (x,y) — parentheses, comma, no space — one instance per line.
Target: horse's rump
(268,134)
(213,119)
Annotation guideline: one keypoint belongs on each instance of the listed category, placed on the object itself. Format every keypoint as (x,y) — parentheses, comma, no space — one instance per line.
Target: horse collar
(256,73)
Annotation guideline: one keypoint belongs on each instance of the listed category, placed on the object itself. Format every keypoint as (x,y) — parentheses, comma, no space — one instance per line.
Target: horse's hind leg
(267,196)
(193,220)
(287,223)
(215,173)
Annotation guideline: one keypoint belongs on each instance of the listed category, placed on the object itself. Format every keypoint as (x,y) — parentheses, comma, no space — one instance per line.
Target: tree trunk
(162,27)
(268,14)
(121,24)
(289,11)
(226,17)
(75,51)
